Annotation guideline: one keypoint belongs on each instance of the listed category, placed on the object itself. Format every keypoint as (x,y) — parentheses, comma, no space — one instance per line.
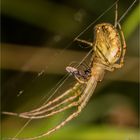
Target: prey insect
(80,75)
(109,50)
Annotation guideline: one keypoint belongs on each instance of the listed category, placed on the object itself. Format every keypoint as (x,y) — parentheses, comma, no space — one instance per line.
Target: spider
(109,50)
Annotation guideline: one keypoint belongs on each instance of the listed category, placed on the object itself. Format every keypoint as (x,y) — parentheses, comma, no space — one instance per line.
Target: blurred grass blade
(132,22)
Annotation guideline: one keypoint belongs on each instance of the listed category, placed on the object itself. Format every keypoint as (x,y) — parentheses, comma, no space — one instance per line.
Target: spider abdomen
(107,43)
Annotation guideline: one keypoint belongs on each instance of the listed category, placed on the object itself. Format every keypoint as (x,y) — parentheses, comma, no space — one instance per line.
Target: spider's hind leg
(84,42)
(117,24)
(116,15)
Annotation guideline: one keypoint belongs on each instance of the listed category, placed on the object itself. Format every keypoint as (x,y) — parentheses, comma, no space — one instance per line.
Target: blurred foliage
(52,23)
(132,22)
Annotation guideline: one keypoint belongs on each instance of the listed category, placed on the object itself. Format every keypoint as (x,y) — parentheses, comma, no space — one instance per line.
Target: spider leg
(52,107)
(49,114)
(79,80)
(81,103)
(116,14)
(70,117)
(106,66)
(22,115)
(123,49)
(31,115)
(74,103)
(84,42)
(122,39)
(57,99)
